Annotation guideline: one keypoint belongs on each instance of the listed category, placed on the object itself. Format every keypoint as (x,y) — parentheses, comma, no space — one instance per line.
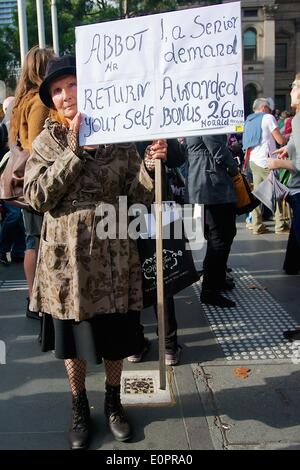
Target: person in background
(288,125)
(259,140)
(289,158)
(26,122)
(12,235)
(7,104)
(4,125)
(281,121)
(88,287)
(276,112)
(210,167)
(175,158)
(234,143)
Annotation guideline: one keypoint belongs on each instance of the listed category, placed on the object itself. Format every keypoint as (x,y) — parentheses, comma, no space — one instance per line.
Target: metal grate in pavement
(18,284)
(142,388)
(253,329)
(135,385)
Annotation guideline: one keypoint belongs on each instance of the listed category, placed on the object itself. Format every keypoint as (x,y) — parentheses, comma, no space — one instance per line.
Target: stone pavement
(214,406)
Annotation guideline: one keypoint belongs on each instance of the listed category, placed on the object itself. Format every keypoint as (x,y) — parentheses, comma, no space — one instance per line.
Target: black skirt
(112,336)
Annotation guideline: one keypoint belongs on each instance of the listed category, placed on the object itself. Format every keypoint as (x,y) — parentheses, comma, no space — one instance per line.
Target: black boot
(30,313)
(80,429)
(228,284)
(211,297)
(114,413)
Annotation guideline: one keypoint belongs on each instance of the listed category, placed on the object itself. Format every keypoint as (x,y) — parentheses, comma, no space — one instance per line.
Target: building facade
(271,47)
(6,11)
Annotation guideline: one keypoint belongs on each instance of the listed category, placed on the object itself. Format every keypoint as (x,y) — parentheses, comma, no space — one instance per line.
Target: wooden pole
(160,274)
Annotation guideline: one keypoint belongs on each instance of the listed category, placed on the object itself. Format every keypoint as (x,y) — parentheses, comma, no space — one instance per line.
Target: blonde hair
(32,75)
(55,116)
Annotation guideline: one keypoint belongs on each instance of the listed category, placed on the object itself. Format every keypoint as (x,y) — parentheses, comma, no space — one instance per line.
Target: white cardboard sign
(161,76)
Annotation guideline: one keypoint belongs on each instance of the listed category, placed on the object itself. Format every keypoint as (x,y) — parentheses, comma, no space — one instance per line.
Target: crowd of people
(87,291)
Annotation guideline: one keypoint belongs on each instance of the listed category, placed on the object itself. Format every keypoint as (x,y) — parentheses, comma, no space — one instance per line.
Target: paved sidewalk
(214,408)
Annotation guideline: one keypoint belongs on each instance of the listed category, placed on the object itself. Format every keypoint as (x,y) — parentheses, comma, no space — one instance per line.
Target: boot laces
(80,414)
(116,412)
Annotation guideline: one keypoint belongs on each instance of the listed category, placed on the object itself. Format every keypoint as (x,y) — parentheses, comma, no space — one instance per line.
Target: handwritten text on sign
(166,75)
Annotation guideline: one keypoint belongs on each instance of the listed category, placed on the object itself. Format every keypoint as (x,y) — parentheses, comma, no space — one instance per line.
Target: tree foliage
(8,59)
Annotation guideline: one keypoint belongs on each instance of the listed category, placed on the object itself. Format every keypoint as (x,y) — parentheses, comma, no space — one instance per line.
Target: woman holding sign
(87,287)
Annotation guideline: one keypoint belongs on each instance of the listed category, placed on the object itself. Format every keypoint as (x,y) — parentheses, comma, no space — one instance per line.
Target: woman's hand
(282,152)
(72,136)
(157,150)
(75,123)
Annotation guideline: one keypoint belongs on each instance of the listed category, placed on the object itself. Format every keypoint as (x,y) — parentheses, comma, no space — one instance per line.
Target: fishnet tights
(76,372)
(113,370)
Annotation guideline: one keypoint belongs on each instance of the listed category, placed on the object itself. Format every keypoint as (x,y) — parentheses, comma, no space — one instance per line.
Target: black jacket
(210,166)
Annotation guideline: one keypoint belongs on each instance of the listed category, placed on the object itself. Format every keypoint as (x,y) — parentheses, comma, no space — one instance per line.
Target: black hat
(65,65)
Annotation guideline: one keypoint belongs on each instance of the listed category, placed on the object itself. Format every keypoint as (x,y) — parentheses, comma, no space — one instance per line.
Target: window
(281,56)
(280,102)
(250,96)
(252,13)
(250,45)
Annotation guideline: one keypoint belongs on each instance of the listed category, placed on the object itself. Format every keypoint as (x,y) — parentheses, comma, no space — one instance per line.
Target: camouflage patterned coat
(79,275)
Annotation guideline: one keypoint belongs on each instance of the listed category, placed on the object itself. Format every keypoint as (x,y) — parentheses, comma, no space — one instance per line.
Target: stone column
(297,48)
(269,51)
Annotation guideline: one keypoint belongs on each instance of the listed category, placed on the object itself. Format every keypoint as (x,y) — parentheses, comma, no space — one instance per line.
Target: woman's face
(63,92)
(295,93)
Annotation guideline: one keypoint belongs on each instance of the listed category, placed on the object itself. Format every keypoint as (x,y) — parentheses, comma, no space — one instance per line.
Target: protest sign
(161,76)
